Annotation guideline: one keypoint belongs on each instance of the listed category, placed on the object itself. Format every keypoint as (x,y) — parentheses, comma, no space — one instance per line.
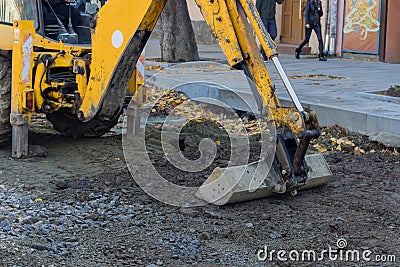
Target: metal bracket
(20,146)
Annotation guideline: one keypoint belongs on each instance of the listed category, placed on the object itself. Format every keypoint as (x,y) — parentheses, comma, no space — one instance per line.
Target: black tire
(70,125)
(5,99)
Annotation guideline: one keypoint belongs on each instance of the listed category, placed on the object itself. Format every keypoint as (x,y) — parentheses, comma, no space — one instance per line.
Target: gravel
(26,217)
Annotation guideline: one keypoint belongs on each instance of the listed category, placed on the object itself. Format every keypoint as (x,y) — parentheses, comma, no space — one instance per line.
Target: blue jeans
(270,26)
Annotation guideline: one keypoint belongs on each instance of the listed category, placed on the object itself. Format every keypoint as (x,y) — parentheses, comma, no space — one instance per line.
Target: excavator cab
(59,26)
(50,24)
(11,10)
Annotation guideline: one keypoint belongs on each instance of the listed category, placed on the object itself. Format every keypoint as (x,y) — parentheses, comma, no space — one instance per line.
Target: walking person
(267,10)
(313,22)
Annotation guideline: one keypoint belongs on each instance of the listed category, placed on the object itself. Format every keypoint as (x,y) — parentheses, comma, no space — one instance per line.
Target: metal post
(132,121)
(20,146)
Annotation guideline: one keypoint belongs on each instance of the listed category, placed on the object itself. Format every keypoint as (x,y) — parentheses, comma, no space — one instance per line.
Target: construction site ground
(75,204)
(79,206)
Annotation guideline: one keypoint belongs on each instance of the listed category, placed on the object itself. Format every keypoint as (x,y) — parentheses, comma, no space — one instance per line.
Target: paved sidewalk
(340,90)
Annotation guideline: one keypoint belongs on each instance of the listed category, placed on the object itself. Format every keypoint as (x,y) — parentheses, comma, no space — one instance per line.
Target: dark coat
(267,8)
(313,15)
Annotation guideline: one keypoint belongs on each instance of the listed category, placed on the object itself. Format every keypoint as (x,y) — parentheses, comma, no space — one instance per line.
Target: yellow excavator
(79,77)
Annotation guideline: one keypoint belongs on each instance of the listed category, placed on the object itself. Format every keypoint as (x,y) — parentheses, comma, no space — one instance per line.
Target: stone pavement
(341,91)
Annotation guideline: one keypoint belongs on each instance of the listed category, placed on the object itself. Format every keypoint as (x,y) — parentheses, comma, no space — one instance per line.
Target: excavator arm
(233,23)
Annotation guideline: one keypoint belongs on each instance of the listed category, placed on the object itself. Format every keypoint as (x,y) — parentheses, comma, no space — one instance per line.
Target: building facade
(367,27)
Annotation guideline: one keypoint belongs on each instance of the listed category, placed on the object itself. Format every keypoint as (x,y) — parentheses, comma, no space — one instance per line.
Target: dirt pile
(336,138)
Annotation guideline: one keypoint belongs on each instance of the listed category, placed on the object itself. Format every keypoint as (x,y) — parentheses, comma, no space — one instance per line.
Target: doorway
(292,21)
(392,38)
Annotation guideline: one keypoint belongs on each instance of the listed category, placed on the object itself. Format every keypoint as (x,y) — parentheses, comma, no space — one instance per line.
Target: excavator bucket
(233,184)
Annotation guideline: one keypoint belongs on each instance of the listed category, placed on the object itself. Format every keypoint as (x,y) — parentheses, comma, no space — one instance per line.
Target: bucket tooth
(237,184)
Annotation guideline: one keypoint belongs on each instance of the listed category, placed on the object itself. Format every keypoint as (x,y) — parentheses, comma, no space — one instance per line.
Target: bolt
(219,18)
(306,116)
(46,107)
(227,40)
(279,188)
(81,115)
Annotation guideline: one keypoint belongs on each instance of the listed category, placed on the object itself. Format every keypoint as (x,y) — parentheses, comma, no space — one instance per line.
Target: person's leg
(318,32)
(272,30)
(302,44)
(266,24)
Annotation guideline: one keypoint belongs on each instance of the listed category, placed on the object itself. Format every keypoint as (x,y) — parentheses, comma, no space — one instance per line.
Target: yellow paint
(22,63)
(6,37)
(81,79)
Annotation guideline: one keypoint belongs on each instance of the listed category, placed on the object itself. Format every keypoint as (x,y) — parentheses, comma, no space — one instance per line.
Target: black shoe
(297,53)
(322,58)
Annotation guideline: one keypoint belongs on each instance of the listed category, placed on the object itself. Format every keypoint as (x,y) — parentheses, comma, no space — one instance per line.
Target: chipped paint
(27,48)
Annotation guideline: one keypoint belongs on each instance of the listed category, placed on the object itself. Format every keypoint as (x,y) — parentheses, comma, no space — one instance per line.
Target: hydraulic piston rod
(287,84)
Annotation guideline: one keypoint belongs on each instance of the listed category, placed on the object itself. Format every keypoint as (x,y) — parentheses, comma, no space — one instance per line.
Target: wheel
(5,99)
(70,125)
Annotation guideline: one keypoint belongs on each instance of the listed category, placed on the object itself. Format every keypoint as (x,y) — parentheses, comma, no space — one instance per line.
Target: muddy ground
(86,183)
